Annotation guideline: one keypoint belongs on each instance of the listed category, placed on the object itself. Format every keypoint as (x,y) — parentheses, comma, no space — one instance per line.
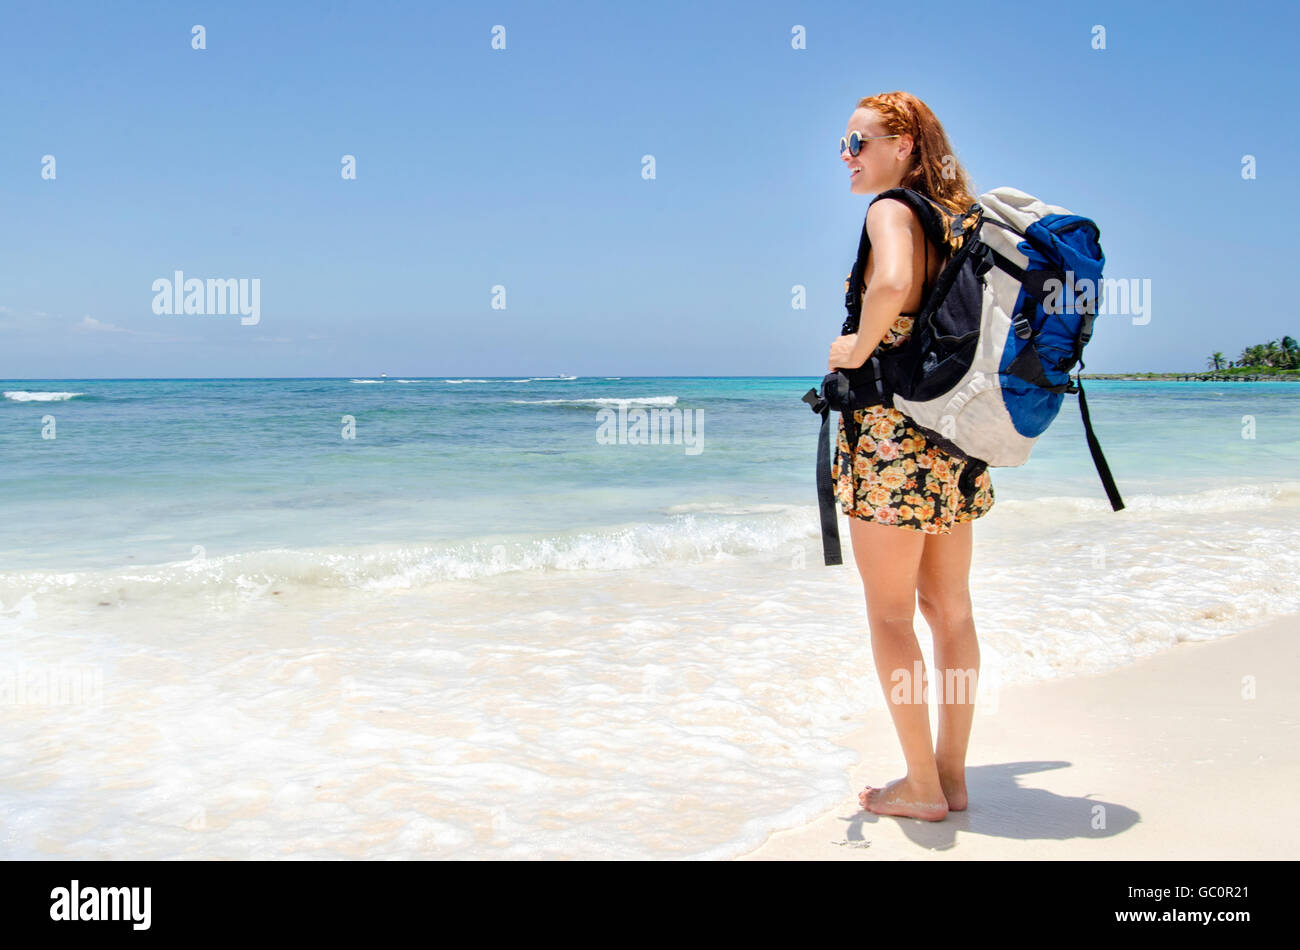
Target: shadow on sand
(1000,808)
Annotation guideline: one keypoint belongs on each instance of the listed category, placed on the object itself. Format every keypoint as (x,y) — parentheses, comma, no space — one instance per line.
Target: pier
(1218,378)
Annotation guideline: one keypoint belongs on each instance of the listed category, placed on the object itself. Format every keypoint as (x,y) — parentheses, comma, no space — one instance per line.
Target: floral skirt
(895,476)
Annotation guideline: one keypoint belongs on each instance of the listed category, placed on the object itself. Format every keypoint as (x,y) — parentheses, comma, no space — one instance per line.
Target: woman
(910,519)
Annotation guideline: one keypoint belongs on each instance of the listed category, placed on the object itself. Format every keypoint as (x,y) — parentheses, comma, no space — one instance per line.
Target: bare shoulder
(889,215)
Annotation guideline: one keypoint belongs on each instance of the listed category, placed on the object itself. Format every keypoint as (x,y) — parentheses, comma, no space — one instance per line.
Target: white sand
(1184,765)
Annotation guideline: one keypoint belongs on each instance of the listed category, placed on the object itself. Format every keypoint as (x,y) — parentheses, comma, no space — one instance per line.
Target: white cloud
(90,323)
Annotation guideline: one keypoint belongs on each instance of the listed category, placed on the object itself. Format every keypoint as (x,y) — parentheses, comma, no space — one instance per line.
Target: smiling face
(881,163)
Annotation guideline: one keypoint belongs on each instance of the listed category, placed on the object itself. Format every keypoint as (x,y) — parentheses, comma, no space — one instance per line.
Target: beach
(236,625)
(1191,754)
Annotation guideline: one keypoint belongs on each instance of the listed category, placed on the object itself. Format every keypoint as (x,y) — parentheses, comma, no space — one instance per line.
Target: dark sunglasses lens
(855,143)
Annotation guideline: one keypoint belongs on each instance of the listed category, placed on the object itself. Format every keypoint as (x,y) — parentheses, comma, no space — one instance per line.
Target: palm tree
(1272,353)
(1291,351)
(1215,359)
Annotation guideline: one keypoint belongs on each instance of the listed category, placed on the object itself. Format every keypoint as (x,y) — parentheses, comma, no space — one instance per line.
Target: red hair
(934,170)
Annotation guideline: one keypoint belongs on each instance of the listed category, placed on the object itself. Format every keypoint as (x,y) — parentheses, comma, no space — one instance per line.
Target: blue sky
(522,167)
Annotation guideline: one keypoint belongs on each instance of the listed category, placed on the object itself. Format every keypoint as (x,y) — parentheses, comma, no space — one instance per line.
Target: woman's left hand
(841,353)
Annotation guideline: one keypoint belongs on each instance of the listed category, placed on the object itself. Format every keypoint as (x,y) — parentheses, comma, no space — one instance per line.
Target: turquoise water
(142,471)
(476,630)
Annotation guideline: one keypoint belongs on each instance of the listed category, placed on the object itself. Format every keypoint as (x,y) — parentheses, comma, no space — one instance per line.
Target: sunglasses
(854,142)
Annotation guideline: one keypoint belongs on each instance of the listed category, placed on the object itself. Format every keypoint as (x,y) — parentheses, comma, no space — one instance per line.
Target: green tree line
(1275,354)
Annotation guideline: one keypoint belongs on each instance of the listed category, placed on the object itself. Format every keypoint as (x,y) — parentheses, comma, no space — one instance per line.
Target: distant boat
(383,375)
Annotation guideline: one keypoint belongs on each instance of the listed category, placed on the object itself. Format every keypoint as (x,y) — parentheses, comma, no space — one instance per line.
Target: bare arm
(890,225)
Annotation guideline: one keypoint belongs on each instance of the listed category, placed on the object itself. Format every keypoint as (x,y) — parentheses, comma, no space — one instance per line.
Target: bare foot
(954,789)
(900,797)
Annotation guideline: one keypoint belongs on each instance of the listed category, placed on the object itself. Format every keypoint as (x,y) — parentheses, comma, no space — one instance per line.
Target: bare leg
(943,590)
(888,559)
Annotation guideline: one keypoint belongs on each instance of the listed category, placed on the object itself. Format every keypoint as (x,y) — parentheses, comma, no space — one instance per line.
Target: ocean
(480,618)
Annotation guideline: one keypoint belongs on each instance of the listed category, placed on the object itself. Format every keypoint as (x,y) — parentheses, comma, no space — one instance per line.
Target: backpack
(988,362)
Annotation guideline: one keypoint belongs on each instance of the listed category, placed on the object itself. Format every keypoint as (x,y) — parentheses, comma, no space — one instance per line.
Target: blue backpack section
(1060,244)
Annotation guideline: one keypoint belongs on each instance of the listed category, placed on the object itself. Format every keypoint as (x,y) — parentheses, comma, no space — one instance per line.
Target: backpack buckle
(815,402)
(1024,329)
(1085,329)
(957,222)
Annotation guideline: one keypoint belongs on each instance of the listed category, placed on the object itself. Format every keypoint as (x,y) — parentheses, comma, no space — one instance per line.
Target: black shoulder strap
(925,209)
(853,294)
(930,223)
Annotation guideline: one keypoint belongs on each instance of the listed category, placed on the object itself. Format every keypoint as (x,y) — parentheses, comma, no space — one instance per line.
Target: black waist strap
(826,508)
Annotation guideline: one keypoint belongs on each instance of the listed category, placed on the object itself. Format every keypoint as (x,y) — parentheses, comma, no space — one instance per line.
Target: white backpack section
(972,413)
